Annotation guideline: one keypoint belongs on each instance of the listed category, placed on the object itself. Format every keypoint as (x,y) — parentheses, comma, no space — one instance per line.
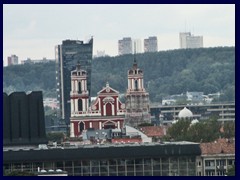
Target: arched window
(79,87)
(80,108)
(81,126)
(136,84)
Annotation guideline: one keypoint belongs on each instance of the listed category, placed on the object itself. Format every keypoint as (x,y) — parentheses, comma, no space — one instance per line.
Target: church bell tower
(137,99)
(79,96)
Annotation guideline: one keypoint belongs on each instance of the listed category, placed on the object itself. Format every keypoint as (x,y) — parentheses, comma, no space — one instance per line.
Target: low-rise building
(216,158)
(223,111)
(144,159)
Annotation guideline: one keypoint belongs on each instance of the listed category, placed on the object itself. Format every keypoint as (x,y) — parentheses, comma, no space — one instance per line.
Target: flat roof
(101,151)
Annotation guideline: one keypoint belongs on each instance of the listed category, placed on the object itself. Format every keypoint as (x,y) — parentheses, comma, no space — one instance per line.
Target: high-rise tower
(125,46)
(137,99)
(187,40)
(67,55)
(151,44)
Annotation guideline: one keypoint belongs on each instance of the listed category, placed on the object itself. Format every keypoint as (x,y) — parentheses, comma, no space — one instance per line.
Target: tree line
(209,70)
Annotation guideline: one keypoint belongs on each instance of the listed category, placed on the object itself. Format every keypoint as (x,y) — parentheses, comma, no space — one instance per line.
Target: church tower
(79,96)
(137,99)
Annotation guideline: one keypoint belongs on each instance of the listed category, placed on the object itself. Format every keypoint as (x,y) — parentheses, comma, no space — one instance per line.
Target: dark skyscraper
(68,54)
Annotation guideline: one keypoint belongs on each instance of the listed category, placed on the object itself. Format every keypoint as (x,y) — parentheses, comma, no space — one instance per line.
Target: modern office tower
(151,44)
(187,40)
(67,55)
(12,60)
(137,98)
(125,46)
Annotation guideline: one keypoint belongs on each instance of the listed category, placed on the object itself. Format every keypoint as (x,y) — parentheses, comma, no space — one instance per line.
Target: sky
(32,31)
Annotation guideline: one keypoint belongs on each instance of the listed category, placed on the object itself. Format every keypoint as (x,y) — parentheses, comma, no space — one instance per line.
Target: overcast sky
(33,30)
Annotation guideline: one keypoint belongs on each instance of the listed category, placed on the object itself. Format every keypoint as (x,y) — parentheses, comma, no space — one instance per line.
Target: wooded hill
(209,70)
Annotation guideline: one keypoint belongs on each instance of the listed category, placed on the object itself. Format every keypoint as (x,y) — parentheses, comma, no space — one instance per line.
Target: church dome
(185,113)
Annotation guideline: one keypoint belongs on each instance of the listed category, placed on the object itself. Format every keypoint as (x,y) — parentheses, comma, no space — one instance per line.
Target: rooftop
(154,131)
(220,146)
(102,151)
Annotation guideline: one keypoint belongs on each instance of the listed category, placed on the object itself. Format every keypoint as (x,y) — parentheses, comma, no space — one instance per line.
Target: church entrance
(109,125)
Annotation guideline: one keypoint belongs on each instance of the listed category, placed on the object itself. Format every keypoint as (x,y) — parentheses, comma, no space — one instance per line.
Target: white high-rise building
(151,44)
(187,40)
(125,46)
(129,46)
(137,45)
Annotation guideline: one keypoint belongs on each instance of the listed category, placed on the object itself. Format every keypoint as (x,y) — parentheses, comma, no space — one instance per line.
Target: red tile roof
(220,146)
(154,131)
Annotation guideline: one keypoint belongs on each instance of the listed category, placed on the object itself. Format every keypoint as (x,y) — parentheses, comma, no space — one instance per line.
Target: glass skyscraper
(67,55)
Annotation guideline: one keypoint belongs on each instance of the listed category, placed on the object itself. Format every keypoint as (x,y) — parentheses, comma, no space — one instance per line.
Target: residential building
(187,40)
(125,46)
(30,61)
(12,60)
(151,44)
(100,54)
(216,157)
(67,55)
(194,97)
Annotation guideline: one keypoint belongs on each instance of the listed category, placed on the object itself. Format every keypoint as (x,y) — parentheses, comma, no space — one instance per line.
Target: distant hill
(166,72)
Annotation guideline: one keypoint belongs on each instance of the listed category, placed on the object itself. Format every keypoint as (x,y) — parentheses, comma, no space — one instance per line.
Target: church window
(81,126)
(136,84)
(79,87)
(80,105)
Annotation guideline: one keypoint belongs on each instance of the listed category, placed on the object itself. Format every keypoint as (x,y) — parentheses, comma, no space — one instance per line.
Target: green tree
(231,171)
(183,130)
(178,131)
(56,136)
(171,72)
(228,129)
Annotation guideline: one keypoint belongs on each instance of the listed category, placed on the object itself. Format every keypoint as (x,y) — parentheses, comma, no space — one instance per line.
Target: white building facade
(187,40)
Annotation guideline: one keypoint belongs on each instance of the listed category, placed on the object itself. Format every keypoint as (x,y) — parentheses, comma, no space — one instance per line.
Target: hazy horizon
(32,31)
